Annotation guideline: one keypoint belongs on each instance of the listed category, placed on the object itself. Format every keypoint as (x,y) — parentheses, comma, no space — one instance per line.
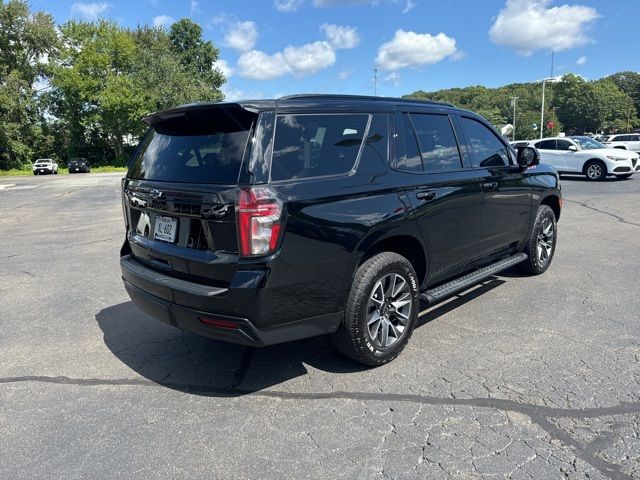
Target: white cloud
(296,60)
(194,6)
(287,5)
(309,58)
(340,36)
(581,61)
(163,21)
(332,3)
(528,25)
(410,5)
(410,49)
(257,65)
(394,78)
(89,11)
(232,94)
(224,67)
(241,36)
(343,75)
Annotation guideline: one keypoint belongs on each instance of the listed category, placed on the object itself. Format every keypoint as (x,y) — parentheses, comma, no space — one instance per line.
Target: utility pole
(375,82)
(513,104)
(629,115)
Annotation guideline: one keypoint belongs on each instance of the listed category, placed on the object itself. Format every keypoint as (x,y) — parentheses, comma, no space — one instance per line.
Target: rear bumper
(189,306)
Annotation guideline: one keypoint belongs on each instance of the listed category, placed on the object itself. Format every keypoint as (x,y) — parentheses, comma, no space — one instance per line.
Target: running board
(470,279)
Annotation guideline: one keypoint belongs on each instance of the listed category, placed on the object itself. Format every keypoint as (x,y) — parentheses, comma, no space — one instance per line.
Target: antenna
(375,82)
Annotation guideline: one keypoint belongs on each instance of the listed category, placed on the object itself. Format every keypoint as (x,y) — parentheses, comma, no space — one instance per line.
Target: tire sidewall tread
(531,266)
(352,337)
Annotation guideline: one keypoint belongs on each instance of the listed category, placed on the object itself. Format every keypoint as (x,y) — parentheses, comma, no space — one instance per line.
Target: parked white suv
(45,165)
(627,141)
(586,156)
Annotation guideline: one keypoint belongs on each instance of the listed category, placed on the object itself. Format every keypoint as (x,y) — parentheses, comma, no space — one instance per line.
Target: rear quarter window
(307,146)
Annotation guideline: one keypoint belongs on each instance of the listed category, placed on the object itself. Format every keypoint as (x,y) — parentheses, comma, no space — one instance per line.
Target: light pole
(513,104)
(544,81)
(542,109)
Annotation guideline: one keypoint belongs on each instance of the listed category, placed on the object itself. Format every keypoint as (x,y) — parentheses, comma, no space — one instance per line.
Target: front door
(446,198)
(506,205)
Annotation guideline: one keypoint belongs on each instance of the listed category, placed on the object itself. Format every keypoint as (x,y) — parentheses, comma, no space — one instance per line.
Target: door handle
(490,186)
(427,195)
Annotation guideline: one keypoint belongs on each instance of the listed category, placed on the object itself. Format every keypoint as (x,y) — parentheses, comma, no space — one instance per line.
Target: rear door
(179,193)
(550,155)
(506,202)
(446,198)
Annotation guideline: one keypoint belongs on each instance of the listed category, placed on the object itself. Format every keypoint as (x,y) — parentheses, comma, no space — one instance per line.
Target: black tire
(625,176)
(354,338)
(538,262)
(595,170)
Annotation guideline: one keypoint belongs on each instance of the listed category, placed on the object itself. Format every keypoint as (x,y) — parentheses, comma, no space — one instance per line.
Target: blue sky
(274,47)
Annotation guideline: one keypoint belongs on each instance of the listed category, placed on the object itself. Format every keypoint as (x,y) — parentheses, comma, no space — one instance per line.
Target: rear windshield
(316,145)
(201,147)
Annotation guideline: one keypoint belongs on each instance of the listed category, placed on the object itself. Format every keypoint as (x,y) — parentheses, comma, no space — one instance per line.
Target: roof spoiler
(185,111)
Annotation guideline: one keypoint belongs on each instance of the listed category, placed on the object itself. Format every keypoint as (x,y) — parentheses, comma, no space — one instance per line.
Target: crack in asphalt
(540,415)
(613,215)
(63,248)
(69,192)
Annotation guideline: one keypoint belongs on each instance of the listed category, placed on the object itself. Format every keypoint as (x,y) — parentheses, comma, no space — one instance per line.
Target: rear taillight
(259,213)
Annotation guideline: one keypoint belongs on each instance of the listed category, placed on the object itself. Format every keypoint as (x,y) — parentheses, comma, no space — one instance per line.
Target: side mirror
(573,148)
(528,157)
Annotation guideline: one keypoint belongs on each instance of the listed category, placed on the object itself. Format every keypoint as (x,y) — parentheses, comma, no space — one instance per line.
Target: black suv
(77,165)
(260,222)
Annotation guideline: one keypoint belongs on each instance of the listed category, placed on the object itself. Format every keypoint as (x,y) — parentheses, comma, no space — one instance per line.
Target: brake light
(259,212)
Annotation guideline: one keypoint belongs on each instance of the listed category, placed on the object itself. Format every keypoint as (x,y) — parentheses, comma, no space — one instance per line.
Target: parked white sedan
(586,156)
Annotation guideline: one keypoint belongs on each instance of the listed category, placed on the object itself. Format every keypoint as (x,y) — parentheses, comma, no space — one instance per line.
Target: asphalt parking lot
(516,378)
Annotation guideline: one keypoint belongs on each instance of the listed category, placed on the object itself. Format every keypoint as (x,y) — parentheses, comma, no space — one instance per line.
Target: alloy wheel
(544,246)
(389,310)
(594,171)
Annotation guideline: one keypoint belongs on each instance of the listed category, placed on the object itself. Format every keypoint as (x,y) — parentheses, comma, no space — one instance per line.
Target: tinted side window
(437,142)
(408,155)
(484,147)
(376,148)
(563,144)
(546,145)
(316,145)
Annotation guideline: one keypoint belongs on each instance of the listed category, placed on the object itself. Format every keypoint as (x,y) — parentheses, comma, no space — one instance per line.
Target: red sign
(550,125)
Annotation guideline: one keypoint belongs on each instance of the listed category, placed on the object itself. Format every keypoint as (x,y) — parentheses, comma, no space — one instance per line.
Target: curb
(6,185)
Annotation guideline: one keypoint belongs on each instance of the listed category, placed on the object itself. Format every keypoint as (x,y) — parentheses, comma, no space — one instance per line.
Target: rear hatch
(179,193)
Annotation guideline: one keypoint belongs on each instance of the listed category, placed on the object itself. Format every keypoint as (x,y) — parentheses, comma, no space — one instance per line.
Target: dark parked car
(261,222)
(79,165)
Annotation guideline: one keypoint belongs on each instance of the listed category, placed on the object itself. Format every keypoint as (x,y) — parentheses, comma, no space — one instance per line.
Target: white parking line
(6,185)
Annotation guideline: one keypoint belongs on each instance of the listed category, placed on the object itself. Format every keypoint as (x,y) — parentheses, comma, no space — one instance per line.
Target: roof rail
(362,97)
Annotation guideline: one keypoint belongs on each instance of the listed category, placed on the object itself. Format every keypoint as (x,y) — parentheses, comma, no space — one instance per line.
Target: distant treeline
(572,104)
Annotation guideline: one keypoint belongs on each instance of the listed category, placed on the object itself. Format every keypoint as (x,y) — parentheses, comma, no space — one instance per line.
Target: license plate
(166,228)
(77,169)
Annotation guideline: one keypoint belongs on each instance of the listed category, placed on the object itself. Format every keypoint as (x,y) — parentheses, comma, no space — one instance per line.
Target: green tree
(26,42)
(106,78)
